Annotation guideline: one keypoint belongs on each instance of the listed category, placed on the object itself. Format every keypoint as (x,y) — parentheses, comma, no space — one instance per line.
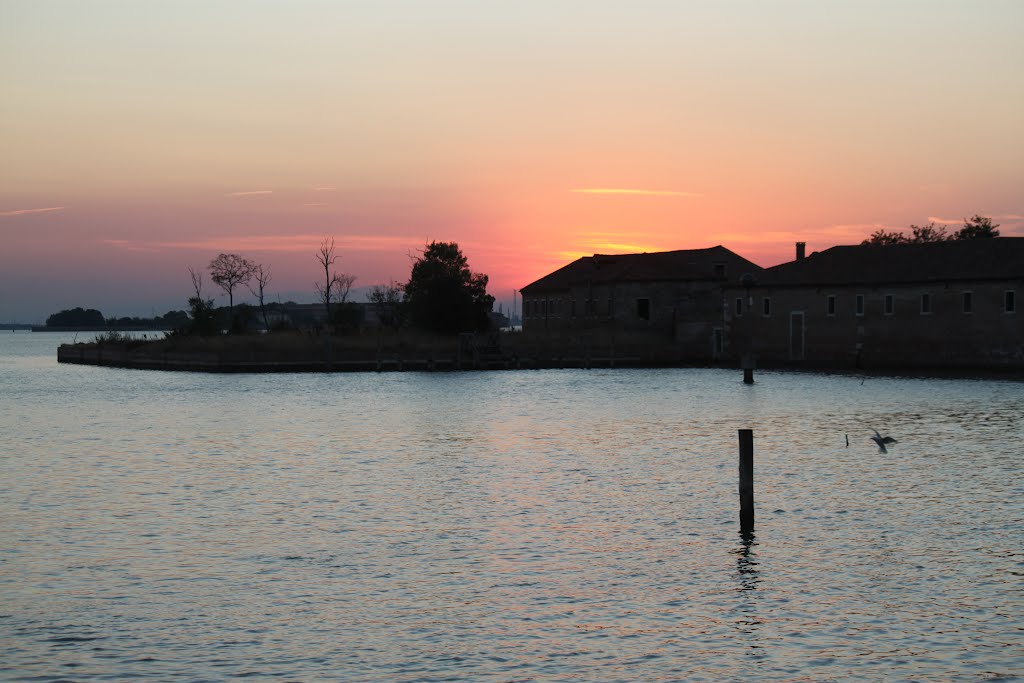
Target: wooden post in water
(746,480)
(747,363)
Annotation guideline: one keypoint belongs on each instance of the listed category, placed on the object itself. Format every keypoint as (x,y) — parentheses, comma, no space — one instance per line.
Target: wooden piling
(747,363)
(746,437)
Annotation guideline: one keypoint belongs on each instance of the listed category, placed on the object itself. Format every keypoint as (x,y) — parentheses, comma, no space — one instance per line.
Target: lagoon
(548,525)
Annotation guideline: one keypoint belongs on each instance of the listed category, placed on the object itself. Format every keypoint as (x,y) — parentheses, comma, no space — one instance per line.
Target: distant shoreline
(115,328)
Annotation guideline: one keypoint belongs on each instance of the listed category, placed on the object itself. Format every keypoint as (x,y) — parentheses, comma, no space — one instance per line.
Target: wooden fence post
(746,480)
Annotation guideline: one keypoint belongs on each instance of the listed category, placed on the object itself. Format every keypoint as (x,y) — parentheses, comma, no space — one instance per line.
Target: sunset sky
(140,138)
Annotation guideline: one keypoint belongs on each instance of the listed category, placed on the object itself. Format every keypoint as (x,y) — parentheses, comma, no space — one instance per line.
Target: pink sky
(138,139)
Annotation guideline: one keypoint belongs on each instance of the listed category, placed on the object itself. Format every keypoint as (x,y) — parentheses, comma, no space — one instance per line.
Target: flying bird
(882,440)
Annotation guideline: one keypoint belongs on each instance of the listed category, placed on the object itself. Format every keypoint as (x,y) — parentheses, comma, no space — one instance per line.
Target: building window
(643,309)
(611,308)
(572,308)
(719,269)
(889,307)
(717,344)
(766,306)
(926,304)
(830,304)
(968,302)
(739,306)
(1009,304)
(860,304)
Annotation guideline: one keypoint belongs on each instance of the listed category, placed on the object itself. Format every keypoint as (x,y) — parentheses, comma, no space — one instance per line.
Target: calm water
(562,525)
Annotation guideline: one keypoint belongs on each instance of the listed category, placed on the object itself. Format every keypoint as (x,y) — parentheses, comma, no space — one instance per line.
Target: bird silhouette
(881,441)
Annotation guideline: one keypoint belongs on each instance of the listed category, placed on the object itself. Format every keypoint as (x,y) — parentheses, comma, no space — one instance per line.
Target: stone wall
(921,325)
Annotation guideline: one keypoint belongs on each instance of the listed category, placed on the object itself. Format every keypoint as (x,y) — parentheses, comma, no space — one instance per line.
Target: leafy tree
(977,227)
(881,236)
(201,309)
(204,317)
(227,272)
(443,295)
(928,233)
(174,319)
(387,302)
(77,317)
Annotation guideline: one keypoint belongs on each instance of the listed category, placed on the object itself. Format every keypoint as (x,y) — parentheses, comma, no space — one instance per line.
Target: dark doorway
(796,335)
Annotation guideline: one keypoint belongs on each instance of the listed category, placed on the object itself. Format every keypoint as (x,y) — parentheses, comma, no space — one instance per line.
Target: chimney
(801,250)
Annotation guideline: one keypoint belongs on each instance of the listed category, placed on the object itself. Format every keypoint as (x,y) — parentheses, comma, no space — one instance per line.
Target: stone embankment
(118,356)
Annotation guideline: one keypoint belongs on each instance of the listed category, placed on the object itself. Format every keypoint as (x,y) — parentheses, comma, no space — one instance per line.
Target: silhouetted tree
(202,310)
(928,233)
(977,227)
(443,295)
(387,302)
(881,236)
(335,286)
(262,276)
(227,272)
(77,317)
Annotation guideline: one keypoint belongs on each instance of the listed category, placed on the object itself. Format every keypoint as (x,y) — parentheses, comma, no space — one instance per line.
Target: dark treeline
(443,296)
(243,315)
(92,319)
(974,227)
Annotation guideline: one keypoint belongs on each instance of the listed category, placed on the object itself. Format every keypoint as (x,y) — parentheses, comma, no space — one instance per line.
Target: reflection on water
(746,562)
(552,525)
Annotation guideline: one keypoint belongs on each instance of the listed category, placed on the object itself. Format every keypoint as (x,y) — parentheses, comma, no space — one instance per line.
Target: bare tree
(228,271)
(336,286)
(197,281)
(262,276)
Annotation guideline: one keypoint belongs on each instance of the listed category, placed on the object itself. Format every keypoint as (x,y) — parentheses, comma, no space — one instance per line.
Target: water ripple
(551,525)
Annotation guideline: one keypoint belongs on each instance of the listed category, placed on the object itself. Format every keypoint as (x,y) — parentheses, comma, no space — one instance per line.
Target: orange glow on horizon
(648,193)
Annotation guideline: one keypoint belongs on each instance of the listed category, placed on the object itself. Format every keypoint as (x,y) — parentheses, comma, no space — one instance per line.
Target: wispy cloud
(131,246)
(275,243)
(648,193)
(22,212)
(945,221)
(603,242)
(323,188)
(848,233)
(248,193)
(316,204)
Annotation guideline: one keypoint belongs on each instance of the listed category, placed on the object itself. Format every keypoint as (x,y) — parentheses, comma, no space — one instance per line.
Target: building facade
(953,304)
(665,297)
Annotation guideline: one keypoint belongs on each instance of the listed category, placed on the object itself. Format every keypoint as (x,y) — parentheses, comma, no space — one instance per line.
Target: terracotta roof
(998,258)
(684,264)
